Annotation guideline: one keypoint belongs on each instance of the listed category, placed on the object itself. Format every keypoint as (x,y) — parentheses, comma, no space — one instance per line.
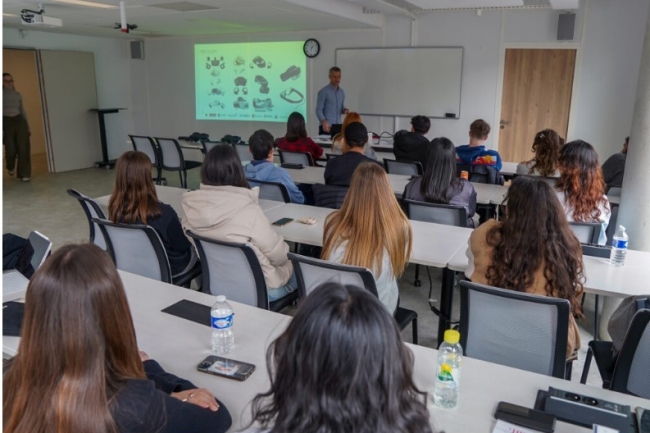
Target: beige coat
(480,258)
(233,214)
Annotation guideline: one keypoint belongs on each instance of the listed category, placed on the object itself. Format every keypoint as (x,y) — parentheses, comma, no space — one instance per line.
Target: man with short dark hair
(614,167)
(475,153)
(339,170)
(413,146)
(331,104)
(262,167)
(16,130)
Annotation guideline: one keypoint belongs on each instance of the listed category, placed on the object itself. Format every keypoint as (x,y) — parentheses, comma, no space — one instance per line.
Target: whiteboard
(402,81)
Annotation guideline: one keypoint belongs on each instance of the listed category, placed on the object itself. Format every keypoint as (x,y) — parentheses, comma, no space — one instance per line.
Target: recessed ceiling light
(87,3)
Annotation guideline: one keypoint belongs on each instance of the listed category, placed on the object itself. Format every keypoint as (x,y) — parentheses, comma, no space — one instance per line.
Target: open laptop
(31,257)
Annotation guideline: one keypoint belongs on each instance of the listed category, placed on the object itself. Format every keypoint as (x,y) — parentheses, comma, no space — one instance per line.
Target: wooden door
(68,79)
(537,85)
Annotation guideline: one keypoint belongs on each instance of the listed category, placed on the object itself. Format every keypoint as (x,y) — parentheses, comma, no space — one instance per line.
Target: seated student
(262,167)
(297,140)
(77,368)
(440,183)
(226,209)
(413,146)
(339,170)
(134,201)
(580,187)
(614,167)
(475,152)
(546,147)
(371,231)
(339,146)
(532,250)
(329,380)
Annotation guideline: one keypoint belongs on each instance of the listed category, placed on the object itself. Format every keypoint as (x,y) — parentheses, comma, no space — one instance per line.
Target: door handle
(504,122)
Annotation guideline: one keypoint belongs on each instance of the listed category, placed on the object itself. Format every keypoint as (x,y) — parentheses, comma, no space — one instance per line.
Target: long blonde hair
(352,116)
(371,221)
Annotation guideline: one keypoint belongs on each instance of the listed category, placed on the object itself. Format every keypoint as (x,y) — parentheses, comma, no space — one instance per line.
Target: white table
(179,345)
(174,197)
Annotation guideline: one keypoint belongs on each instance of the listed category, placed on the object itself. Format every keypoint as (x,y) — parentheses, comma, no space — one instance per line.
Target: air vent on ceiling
(184,7)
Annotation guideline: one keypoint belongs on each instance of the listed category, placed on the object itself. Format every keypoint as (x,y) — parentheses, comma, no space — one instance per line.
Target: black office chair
(148,146)
(629,370)
(275,191)
(481,173)
(92,210)
(329,196)
(233,269)
(137,248)
(206,145)
(402,167)
(312,273)
(171,159)
(302,158)
(243,151)
(587,233)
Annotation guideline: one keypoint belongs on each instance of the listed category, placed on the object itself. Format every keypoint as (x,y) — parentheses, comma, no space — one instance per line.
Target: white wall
(112,71)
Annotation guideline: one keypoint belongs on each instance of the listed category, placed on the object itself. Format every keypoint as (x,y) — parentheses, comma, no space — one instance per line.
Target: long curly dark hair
(581,180)
(546,147)
(536,233)
(341,366)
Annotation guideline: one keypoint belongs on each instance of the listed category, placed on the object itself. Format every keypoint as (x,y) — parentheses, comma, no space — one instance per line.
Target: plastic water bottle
(450,355)
(223,339)
(619,247)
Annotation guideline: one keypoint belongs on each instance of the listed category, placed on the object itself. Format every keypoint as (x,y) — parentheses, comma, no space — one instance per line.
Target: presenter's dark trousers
(334,129)
(16,141)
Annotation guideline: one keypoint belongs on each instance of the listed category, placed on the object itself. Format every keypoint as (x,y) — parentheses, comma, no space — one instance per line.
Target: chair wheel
(417,283)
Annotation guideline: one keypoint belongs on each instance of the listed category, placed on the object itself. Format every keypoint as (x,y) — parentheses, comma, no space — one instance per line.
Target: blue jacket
(267,171)
(478,156)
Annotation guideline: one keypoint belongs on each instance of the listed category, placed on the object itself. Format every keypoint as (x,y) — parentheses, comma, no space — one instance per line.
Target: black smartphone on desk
(282,222)
(225,367)
(525,417)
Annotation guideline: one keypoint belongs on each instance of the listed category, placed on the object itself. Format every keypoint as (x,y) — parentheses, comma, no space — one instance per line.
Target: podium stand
(102,135)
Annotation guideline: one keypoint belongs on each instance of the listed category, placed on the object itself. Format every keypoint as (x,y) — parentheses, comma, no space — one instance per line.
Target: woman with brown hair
(371,231)
(581,188)
(296,139)
(134,201)
(78,367)
(339,145)
(533,250)
(546,147)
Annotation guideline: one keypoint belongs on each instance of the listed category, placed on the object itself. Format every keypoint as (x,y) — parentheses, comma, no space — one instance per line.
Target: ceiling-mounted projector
(36,18)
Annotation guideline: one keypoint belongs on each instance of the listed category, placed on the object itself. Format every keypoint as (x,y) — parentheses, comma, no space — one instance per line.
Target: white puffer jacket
(232,214)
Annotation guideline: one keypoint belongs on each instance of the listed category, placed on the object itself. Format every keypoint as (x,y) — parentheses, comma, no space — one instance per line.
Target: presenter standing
(16,130)
(331,104)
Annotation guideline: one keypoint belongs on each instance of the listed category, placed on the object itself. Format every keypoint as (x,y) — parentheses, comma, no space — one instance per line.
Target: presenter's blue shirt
(330,104)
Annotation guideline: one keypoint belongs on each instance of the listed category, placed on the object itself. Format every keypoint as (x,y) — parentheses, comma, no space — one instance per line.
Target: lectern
(102,135)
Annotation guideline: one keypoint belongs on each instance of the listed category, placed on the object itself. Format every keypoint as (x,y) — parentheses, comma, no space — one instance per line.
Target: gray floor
(44,205)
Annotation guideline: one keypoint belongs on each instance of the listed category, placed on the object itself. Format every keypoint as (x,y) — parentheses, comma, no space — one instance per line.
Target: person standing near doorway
(331,104)
(16,130)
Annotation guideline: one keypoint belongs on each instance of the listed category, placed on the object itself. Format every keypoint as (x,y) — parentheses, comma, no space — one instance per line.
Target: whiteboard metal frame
(462,68)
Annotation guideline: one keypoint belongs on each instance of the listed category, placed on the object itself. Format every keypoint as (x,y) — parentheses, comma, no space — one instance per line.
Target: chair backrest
(136,248)
(481,173)
(614,191)
(587,233)
(329,196)
(436,213)
(206,145)
(515,329)
(147,146)
(402,167)
(275,191)
(603,251)
(92,210)
(233,270)
(312,273)
(171,154)
(243,151)
(290,157)
(632,371)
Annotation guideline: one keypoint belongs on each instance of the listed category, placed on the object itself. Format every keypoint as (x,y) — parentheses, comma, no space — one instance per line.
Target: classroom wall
(112,71)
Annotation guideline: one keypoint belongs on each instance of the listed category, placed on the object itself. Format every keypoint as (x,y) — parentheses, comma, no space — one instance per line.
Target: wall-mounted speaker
(566,25)
(137,50)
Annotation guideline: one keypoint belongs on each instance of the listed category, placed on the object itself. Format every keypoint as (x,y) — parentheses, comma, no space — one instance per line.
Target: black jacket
(178,247)
(411,147)
(463,195)
(339,170)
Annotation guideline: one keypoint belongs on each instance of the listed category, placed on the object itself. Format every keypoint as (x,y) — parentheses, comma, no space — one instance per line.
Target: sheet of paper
(506,427)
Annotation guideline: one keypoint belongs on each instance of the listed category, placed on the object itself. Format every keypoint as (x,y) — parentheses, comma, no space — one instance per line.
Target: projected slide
(263,81)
